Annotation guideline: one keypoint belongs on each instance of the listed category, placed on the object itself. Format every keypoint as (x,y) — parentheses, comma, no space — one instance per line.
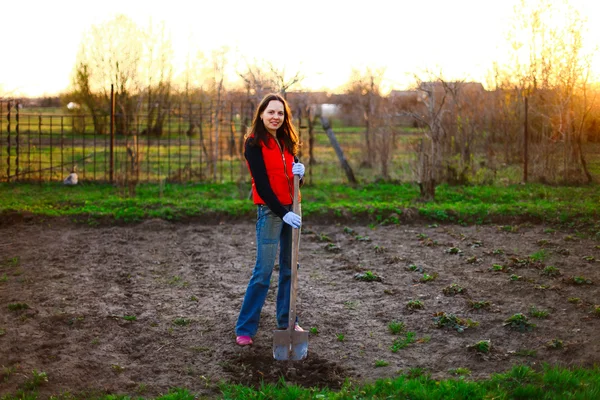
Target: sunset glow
(323,39)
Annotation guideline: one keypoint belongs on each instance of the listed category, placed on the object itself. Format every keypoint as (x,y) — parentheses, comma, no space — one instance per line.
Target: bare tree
(262,77)
(550,68)
(363,91)
(433,96)
(281,81)
(136,61)
(219,60)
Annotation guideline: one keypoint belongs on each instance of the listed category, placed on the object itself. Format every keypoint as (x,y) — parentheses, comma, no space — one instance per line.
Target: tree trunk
(583,162)
(426,180)
(311,138)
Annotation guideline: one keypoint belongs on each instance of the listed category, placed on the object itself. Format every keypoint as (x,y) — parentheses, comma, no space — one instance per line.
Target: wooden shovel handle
(295,251)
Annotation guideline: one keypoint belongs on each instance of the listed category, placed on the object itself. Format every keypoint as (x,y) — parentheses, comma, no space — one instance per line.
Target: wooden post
(112,134)
(338,150)
(525,143)
(18,149)
(8,116)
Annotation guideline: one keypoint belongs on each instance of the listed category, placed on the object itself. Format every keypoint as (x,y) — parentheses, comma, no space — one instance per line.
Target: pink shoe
(244,340)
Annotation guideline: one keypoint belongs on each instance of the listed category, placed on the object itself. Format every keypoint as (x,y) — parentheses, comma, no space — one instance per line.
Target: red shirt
(271,168)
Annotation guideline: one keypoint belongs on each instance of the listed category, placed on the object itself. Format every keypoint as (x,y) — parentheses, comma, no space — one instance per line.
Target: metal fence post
(17,137)
(112,134)
(8,143)
(526,143)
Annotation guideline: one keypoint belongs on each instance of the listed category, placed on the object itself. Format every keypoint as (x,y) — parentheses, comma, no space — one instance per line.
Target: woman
(270,150)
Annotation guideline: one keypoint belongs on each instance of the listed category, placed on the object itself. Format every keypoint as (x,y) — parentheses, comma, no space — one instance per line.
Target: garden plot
(139,309)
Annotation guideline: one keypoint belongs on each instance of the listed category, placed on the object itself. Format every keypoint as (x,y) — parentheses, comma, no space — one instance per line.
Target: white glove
(293,219)
(298,169)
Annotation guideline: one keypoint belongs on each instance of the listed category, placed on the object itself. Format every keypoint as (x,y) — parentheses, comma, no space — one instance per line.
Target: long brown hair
(286,133)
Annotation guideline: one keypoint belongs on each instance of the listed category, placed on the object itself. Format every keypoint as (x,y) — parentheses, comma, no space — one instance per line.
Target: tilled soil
(139,309)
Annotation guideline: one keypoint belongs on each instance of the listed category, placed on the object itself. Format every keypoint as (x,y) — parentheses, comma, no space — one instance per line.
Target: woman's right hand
(293,219)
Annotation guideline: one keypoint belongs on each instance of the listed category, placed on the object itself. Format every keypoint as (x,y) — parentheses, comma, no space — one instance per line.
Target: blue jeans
(271,232)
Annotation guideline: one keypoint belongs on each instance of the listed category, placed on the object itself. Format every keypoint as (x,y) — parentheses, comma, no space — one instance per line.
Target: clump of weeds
(580,280)
(589,258)
(18,306)
(540,314)
(12,262)
(341,337)
(368,276)
(519,322)
(349,231)
(509,228)
(443,320)
(526,353)
(498,268)
(324,238)
(36,380)
(540,255)
(429,242)
(453,290)
(396,328)
(333,248)
(182,321)
(351,304)
(379,249)
(453,250)
(403,341)
(479,305)
(414,305)
(415,268)
(555,344)
(574,300)
(460,371)
(551,271)
(483,346)
(314,330)
(381,363)
(417,372)
(596,311)
(428,278)
(117,368)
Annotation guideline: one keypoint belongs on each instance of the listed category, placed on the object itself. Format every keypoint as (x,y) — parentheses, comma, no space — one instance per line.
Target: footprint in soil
(252,367)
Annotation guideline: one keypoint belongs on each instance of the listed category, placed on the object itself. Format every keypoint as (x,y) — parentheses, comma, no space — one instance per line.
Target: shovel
(289,344)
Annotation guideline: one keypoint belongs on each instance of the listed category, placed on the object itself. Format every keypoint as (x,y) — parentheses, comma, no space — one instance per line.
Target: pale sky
(325,39)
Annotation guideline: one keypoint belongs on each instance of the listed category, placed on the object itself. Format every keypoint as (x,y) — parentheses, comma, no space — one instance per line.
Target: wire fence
(196,143)
(203,142)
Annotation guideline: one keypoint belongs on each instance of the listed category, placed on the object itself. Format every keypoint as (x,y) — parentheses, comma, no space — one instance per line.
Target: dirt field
(139,309)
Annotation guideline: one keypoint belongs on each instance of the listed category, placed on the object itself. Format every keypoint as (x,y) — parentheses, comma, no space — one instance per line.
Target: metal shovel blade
(290,345)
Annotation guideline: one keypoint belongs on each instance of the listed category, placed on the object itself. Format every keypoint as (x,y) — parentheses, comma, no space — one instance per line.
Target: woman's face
(273,116)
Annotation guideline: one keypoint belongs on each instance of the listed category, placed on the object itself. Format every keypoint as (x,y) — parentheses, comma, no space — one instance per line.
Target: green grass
(383,203)
(396,328)
(521,382)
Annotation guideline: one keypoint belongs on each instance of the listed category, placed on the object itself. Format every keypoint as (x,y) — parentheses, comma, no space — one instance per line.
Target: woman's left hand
(298,169)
